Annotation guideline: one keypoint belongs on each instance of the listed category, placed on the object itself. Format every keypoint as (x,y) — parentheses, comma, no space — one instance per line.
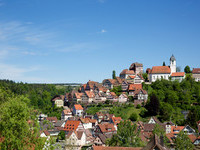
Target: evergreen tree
(187,69)
(154,105)
(114,74)
(164,63)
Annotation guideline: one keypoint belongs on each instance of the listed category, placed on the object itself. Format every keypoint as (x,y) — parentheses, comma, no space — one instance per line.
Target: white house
(159,72)
(66,114)
(123,98)
(78,110)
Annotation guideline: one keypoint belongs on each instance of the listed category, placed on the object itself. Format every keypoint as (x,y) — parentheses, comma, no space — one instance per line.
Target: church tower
(173,64)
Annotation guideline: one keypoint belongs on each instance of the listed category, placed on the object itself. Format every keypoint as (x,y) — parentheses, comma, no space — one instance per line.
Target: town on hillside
(96,115)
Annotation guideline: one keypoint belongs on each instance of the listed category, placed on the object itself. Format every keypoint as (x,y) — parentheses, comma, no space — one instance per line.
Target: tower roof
(172,58)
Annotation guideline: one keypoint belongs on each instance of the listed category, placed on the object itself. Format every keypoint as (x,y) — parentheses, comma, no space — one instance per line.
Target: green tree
(133,117)
(61,135)
(182,142)
(145,76)
(127,135)
(153,106)
(114,74)
(15,129)
(187,69)
(164,63)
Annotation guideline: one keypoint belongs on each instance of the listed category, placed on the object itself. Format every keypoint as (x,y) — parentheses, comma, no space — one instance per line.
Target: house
(140,94)
(115,121)
(112,97)
(60,123)
(73,125)
(101,117)
(86,123)
(90,85)
(125,73)
(163,72)
(53,120)
(123,98)
(132,88)
(90,95)
(106,129)
(156,143)
(45,134)
(78,110)
(110,83)
(136,67)
(66,113)
(58,101)
(124,85)
(196,74)
(135,79)
(178,76)
(77,97)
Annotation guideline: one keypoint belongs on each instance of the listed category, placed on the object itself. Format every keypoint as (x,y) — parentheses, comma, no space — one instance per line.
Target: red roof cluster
(78,107)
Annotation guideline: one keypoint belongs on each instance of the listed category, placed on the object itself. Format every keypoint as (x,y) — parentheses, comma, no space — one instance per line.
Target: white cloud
(16,73)
(103,31)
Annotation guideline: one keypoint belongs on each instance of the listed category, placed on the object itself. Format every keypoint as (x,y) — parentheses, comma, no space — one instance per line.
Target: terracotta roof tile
(133,87)
(126,71)
(192,137)
(160,69)
(71,125)
(107,128)
(52,119)
(90,94)
(178,74)
(196,71)
(78,107)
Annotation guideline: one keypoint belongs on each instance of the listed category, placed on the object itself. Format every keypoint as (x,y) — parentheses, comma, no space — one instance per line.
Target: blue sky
(50,41)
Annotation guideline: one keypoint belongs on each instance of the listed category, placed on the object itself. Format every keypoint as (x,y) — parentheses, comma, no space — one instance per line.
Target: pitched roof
(178,74)
(106,127)
(46,133)
(196,71)
(66,111)
(126,71)
(79,134)
(90,94)
(115,148)
(132,76)
(116,120)
(78,107)
(136,64)
(133,87)
(155,142)
(160,69)
(192,137)
(52,119)
(59,123)
(78,95)
(71,125)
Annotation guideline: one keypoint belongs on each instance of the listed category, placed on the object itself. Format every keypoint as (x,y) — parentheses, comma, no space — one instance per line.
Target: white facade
(87,125)
(122,98)
(173,64)
(154,77)
(59,103)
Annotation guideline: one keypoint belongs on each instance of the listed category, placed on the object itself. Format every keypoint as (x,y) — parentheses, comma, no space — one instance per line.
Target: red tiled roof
(196,71)
(178,74)
(132,76)
(66,111)
(192,137)
(126,71)
(176,129)
(116,120)
(107,128)
(115,148)
(52,119)
(78,107)
(78,95)
(133,87)
(46,133)
(90,94)
(71,125)
(161,69)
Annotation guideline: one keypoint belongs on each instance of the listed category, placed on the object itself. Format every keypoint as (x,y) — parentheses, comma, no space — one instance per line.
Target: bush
(61,135)
(138,106)
(133,117)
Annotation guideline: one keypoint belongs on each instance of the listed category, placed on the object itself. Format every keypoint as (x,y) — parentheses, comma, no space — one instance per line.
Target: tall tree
(187,69)
(17,126)
(182,142)
(127,135)
(164,63)
(153,106)
(114,74)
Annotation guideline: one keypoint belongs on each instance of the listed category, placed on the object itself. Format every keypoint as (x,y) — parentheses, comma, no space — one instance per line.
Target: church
(165,72)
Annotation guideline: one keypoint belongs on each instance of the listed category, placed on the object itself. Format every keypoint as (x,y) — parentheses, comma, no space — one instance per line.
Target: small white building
(78,110)
(123,98)
(66,114)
